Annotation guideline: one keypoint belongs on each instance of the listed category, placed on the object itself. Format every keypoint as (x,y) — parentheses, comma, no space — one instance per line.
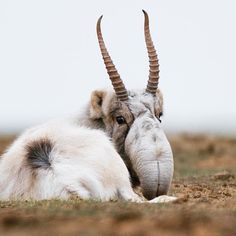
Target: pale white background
(50,60)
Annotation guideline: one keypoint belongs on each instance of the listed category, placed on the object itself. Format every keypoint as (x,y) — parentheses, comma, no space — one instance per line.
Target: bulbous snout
(151,156)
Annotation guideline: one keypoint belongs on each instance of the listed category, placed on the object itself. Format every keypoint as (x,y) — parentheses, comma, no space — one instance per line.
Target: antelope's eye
(120,120)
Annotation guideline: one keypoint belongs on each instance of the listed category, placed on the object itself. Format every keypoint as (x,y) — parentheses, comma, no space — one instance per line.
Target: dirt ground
(204,181)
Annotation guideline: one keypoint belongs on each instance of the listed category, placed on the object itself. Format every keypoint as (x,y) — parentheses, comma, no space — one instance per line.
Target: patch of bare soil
(5,141)
(204,181)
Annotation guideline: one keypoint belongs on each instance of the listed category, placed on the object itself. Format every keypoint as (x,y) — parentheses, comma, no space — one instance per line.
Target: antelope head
(132,120)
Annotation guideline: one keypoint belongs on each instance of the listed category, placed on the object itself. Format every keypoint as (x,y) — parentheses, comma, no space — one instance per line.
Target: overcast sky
(50,60)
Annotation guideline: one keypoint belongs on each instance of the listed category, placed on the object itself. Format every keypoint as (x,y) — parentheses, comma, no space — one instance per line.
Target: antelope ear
(97,98)
(158,102)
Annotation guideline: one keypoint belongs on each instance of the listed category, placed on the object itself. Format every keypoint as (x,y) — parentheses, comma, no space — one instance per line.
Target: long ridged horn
(114,76)
(153,59)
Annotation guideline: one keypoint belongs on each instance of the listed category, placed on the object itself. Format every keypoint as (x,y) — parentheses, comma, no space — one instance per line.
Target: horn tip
(145,16)
(144,12)
(100,18)
(98,23)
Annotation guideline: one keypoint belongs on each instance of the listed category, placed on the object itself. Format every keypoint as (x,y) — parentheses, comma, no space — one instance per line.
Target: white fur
(84,163)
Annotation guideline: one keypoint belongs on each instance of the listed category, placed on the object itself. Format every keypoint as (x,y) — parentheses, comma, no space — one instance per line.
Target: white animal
(115,144)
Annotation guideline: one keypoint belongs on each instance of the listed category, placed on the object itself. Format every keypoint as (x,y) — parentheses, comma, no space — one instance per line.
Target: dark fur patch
(38,153)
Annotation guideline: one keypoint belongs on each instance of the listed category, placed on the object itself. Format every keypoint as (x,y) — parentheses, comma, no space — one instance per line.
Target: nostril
(154,138)
(147,126)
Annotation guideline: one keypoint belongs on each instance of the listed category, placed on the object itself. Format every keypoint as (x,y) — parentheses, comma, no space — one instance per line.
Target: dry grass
(204,180)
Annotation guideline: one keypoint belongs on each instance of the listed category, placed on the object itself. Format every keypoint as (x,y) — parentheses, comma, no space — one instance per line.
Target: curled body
(114,144)
(60,160)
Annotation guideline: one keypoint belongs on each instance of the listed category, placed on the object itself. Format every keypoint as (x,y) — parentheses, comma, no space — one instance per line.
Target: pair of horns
(118,85)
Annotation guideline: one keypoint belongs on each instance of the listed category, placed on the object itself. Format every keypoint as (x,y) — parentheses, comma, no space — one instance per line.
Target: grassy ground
(205,181)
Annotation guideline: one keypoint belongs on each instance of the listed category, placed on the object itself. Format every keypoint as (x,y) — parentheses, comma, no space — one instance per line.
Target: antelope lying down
(115,144)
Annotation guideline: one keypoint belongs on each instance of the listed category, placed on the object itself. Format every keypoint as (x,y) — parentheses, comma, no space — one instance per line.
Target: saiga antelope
(115,144)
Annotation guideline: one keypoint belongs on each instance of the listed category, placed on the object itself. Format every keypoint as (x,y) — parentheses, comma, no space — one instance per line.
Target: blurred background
(50,60)
(50,63)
